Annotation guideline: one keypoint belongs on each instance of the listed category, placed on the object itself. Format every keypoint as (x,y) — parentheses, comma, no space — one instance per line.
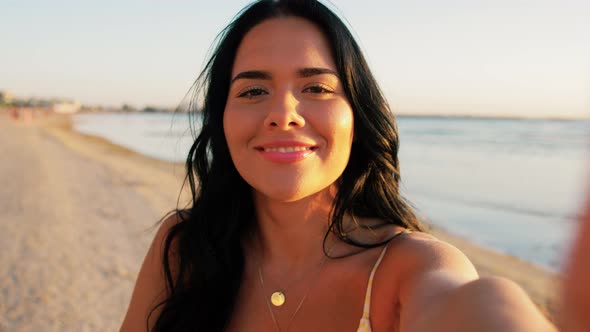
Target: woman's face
(287,121)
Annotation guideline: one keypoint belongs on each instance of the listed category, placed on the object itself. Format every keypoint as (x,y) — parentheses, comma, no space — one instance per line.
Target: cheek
(336,125)
(346,125)
(239,127)
(235,126)
(341,125)
(232,130)
(344,138)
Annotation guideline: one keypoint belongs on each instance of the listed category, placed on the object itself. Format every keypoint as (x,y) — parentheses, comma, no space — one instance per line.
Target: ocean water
(512,185)
(158,135)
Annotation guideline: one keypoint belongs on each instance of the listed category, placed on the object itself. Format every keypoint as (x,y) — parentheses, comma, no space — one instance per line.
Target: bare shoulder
(424,268)
(150,286)
(417,253)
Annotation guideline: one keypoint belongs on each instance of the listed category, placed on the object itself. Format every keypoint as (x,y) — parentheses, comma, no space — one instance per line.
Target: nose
(283,113)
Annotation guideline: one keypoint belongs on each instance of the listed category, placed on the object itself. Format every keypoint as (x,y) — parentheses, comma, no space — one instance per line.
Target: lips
(287,149)
(286,152)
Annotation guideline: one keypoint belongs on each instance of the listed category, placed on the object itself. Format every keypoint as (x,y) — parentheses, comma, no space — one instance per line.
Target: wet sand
(76,217)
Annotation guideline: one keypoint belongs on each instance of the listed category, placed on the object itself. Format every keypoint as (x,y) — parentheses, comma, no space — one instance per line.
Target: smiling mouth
(287,149)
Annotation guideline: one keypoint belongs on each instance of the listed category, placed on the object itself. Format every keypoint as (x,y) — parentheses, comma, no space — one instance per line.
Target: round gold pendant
(277,299)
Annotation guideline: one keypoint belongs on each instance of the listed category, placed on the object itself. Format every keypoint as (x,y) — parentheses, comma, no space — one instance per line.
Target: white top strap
(367,307)
(365,323)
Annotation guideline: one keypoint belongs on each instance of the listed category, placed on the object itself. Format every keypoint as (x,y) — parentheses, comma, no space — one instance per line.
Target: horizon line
(492,116)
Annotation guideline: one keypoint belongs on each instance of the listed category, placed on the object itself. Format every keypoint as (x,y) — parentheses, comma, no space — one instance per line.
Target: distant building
(66,107)
(6,97)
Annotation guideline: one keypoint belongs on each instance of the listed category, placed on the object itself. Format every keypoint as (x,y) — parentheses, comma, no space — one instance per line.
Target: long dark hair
(209,258)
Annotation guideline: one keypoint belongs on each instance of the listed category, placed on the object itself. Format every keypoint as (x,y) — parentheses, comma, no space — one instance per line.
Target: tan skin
(422,284)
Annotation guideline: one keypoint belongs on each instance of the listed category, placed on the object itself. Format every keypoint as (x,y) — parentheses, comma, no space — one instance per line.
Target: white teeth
(287,149)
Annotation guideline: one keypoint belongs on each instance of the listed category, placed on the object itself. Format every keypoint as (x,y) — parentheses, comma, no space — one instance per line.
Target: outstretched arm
(443,293)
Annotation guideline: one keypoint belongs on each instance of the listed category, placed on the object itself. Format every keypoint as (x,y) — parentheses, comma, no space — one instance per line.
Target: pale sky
(471,57)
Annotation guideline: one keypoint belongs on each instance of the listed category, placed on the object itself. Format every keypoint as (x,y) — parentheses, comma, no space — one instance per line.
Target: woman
(297,223)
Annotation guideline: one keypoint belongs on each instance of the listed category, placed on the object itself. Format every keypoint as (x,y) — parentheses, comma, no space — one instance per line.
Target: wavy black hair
(209,257)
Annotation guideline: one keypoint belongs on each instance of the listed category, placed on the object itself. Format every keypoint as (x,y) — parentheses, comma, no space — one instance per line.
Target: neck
(290,235)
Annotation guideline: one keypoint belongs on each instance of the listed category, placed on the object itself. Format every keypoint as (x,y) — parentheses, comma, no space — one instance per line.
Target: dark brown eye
(252,92)
(317,89)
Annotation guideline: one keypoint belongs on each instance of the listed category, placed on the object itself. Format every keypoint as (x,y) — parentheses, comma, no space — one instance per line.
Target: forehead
(286,43)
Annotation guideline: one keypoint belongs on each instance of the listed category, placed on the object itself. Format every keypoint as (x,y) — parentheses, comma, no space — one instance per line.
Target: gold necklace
(279,297)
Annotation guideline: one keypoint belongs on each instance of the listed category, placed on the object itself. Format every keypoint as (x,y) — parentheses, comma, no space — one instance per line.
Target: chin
(287,195)
(284,196)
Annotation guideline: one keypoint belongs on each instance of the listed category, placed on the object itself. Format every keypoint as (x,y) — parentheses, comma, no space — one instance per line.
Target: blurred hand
(576,283)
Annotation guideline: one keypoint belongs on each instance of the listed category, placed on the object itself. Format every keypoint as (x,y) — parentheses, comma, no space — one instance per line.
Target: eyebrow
(253,75)
(308,72)
(265,75)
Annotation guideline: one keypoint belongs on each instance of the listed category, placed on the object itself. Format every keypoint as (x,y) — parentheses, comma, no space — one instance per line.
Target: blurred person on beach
(296,221)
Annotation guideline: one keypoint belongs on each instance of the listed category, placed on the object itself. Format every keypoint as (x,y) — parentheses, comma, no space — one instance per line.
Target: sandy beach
(76,217)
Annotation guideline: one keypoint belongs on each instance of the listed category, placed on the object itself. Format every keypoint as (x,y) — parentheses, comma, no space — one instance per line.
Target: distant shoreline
(398,115)
(402,115)
(487,117)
